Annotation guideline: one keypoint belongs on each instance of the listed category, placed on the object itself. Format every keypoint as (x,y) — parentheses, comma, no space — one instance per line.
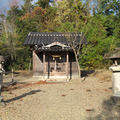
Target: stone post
(1,81)
(2,59)
(116,84)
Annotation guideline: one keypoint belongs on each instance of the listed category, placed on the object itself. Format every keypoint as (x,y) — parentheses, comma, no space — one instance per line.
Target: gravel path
(73,100)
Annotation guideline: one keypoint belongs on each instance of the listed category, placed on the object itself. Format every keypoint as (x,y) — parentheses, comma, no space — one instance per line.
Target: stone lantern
(2,60)
(115,68)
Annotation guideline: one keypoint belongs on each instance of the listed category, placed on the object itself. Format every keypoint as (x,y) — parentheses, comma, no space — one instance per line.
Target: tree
(103,33)
(110,10)
(40,16)
(27,7)
(43,3)
(102,28)
(12,38)
(99,44)
(72,19)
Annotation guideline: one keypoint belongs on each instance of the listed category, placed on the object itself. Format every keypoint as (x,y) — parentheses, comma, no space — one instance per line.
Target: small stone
(89,110)
(63,95)
(88,90)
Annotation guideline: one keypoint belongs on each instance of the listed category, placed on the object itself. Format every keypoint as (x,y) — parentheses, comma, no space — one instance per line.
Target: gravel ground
(73,100)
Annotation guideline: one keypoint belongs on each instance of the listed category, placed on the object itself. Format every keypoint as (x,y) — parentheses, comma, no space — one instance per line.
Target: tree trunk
(77,60)
(79,71)
(29,66)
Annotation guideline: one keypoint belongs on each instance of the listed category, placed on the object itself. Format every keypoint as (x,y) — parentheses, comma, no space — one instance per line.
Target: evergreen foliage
(99,20)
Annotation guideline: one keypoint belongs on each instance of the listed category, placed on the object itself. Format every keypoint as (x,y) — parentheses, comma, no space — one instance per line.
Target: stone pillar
(2,59)
(116,84)
(1,81)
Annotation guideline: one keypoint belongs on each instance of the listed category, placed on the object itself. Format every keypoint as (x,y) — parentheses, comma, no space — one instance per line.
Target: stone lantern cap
(113,55)
(2,58)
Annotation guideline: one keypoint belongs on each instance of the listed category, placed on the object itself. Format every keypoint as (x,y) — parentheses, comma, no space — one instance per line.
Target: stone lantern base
(1,101)
(116,100)
(116,84)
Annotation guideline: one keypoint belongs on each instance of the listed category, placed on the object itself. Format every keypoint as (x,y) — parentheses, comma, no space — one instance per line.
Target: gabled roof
(39,38)
(57,44)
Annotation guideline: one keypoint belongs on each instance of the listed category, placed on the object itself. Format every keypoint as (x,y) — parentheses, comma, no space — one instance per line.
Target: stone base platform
(61,80)
(116,100)
(51,78)
(1,101)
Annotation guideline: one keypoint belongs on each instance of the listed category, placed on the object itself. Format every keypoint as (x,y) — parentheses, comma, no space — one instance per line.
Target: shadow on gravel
(11,83)
(85,73)
(9,72)
(109,112)
(21,96)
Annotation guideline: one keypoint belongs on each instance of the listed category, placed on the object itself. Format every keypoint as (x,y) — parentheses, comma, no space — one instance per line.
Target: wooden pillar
(55,66)
(43,65)
(67,65)
(115,62)
(33,60)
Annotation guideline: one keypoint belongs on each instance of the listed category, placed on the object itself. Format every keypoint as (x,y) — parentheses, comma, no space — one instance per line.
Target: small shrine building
(53,56)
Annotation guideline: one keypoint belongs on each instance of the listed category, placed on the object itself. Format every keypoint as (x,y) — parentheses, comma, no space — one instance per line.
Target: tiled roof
(38,38)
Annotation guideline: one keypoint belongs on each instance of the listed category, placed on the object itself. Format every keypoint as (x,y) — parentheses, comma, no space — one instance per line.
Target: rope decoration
(54,56)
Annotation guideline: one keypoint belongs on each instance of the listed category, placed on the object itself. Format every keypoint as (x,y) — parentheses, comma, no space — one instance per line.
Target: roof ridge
(34,38)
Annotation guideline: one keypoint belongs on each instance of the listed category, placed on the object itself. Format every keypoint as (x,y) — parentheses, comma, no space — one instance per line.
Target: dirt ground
(73,100)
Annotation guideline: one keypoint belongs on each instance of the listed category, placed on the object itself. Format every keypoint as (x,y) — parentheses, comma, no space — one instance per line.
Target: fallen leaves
(17,85)
(10,92)
(89,109)
(63,95)
(88,90)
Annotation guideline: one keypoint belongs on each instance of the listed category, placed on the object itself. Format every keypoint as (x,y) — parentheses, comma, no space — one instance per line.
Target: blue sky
(4,6)
(34,1)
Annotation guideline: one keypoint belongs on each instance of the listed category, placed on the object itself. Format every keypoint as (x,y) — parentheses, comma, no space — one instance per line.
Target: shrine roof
(38,38)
